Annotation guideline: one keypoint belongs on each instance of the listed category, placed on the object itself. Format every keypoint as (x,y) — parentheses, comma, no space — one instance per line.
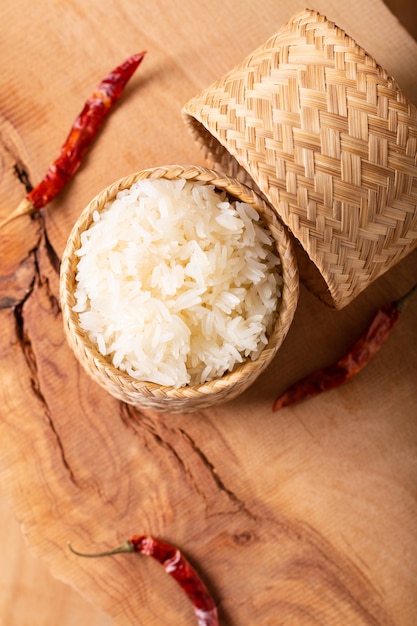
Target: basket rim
(78,339)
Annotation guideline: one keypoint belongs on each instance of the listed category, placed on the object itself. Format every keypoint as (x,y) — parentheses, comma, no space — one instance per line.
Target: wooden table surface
(306,516)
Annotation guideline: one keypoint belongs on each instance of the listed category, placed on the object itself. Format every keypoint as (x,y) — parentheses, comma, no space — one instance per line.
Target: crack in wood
(132,416)
(53,257)
(12,144)
(173,440)
(24,338)
(241,506)
(29,356)
(23,175)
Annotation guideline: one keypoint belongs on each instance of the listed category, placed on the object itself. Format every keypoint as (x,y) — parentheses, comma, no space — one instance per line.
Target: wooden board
(304,516)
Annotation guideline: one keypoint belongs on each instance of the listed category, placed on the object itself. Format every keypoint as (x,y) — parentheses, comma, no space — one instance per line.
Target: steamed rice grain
(177,283)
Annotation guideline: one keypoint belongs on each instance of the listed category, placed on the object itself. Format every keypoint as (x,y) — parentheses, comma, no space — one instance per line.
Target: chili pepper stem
(25,207)
(401,302)
(126,546)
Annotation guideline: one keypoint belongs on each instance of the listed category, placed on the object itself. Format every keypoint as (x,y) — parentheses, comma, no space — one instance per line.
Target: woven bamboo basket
(188,398)
(316,126)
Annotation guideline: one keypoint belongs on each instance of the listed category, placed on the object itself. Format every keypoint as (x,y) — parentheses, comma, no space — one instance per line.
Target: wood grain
(307,516)
(28,592)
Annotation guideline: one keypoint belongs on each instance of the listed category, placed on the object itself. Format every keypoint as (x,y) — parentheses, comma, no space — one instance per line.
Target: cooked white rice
(176,285)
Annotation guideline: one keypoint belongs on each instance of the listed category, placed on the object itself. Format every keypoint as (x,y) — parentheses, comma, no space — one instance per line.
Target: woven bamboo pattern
(189,398)
(312,122)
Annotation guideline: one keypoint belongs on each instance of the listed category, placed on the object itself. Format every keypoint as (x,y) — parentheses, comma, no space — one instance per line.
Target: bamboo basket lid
(314,124)
(188,398)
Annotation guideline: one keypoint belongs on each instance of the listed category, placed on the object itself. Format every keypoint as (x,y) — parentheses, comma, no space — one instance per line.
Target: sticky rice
(177,283)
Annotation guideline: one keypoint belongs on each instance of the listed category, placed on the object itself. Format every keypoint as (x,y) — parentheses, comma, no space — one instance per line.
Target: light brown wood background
(303,517)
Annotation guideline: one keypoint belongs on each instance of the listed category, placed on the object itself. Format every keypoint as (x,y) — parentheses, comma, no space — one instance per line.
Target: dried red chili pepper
(359,355)
(82,133)
(177,566)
